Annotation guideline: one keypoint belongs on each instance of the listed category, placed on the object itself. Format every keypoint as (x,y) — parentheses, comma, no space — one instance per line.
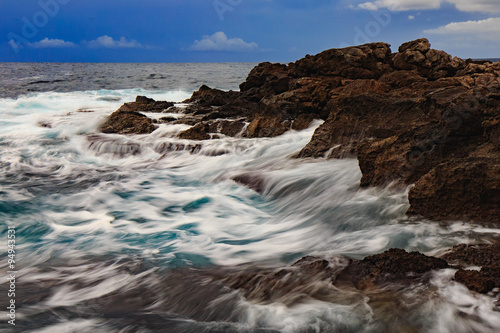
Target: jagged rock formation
(485,255)
(128,120)
(392,269)
(146,104)
(417,116)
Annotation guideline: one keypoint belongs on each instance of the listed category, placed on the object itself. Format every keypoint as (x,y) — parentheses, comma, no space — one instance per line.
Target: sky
(237,30)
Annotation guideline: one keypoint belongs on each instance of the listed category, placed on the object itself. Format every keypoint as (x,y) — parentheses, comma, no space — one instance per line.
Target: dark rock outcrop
(475,281)
(202,130)
(485,255)
(464,189)
(474,254)
(394,269)
(392,266)
(127,122)
(417,116)
(251,180)
(146,104)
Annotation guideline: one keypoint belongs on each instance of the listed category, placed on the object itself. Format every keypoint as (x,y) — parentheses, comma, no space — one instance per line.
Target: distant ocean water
(116,233)
(23,78)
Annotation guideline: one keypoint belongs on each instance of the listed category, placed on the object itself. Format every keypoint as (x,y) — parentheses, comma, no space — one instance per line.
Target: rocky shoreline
(415,117)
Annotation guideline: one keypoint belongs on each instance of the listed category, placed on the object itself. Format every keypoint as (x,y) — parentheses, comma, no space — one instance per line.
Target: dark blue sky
(236,30)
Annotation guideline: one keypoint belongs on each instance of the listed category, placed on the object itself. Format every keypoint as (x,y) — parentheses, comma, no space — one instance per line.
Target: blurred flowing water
(125,234)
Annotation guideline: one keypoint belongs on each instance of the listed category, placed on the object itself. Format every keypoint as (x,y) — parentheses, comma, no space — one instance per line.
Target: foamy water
(102,219)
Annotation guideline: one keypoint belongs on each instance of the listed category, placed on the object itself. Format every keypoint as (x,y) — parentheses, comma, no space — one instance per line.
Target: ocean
(121,234)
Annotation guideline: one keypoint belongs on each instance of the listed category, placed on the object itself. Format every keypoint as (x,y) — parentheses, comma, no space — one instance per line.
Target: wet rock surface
(397,298)
(127,122)
(145,104)
(392,266)
(486,256)
(128,119)
(391,270)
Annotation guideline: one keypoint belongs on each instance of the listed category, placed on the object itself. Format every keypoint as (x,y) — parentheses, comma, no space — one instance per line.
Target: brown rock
(361,62)
(422,45)
(227,127)
(485,255)
(206,97)
(303,121)
(475,281)
(127,122)
(394,265)
(145,104)
(399,79)
(468,189)
(474,254)
(266,126)
(197,132)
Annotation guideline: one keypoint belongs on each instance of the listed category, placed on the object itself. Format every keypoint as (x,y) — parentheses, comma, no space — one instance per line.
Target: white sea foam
(75,193)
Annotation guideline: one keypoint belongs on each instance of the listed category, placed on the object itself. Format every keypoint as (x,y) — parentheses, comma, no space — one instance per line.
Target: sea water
(123,233)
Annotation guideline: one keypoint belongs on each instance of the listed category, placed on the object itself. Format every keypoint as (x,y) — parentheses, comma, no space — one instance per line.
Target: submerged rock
(253,181)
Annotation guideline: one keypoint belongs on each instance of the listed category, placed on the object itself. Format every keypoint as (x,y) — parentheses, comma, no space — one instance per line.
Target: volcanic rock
(485,255)
(474,254)
(127,122)
(146,104)
(394,265)
(463,189)
(417,116)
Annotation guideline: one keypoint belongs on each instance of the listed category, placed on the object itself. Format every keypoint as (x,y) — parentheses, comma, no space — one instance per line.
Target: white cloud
(488,6)
(51,43)
(401,5)
(219,42)
(411,17)
(485,29)
(110,43)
